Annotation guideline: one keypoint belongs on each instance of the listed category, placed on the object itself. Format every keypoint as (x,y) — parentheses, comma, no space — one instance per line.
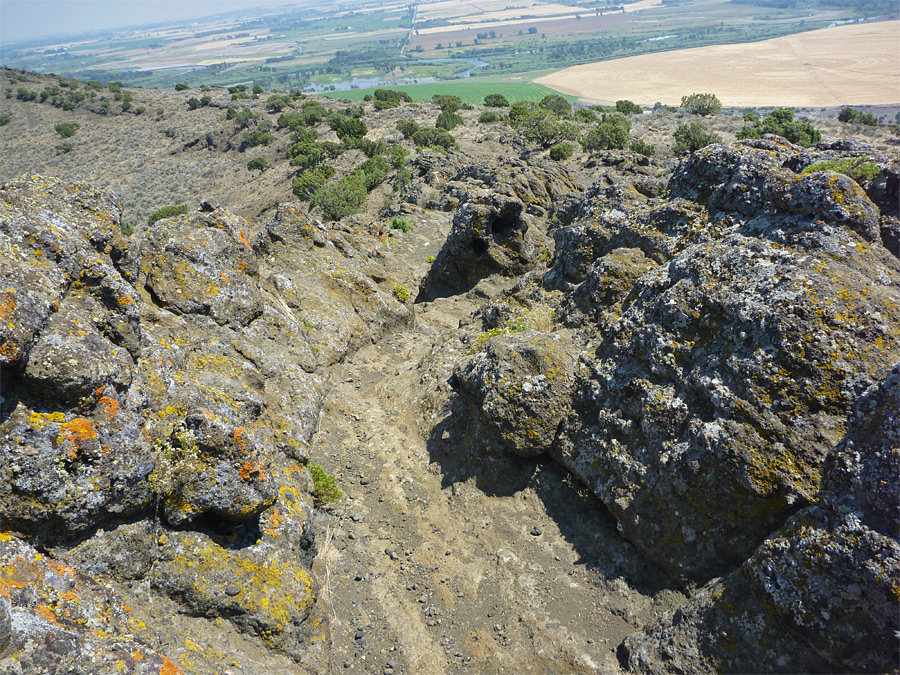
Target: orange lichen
(276,520)
(110,405)
(250,468)
(137,655)
(126,300)
(79,430)
(47,614)
(169,668)
(241,266)
(239,437)
(243,238)
(7,305)
(8,350)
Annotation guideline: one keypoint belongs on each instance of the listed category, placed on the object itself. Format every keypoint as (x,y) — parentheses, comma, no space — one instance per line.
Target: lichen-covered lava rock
(159,397)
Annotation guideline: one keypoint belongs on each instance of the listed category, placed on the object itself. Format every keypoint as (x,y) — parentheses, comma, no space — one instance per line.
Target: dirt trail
(442,558)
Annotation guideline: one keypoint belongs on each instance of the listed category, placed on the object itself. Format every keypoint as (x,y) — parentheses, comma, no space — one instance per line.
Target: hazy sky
(27,19)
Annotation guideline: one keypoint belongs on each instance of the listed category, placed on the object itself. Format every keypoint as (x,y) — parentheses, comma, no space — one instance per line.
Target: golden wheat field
(852,64)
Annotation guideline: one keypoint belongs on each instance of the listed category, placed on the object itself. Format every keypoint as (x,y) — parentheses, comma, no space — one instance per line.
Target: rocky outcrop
(818,595)
(497,227)
(522,384)
(732,325)
(159,397)
(55,619)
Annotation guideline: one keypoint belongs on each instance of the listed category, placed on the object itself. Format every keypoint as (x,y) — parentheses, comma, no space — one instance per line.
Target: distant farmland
(469,90)
(853,64)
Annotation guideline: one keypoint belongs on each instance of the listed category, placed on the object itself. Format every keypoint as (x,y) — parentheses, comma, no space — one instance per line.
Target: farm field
(853,64)
(470,91)
(345,45)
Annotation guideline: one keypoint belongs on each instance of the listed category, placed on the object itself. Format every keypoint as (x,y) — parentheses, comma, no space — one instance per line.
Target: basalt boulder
(818,595)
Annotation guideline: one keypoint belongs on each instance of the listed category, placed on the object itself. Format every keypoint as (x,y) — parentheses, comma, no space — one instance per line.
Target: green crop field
(470,91)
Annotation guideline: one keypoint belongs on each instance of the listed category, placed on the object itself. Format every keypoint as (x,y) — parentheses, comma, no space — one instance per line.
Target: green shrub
(407,127)
(24,94)
(116,87)
(447,102)
(140,110)
(167,212)
(67,129)
(243,117)
(426,137)
(854,116)
(402,224)
(610,134)
(258,164)
(391,95)
(205,100)
(489,117)
(325,488)
(306,155)
(643,148)
(701,104)
(781,122)
(496,101)
(257,89)
(65,146)
(340,199)
(626,107)
(448,120)
(556,104)
(347,127)
(277,103)
(691,137)
(585,115)
(257,138)
(180,86)
(193,103)
(305,185)
(126,227)
(5,117)
(561,151)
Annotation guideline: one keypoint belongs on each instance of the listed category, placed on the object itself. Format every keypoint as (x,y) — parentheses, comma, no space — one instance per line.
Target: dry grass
(854,64)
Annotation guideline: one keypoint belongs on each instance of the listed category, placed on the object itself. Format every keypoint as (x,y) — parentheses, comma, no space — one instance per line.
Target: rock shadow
(465,449)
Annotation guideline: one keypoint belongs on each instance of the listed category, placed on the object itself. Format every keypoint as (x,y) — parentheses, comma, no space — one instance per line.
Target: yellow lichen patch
(40,420)
(279,592)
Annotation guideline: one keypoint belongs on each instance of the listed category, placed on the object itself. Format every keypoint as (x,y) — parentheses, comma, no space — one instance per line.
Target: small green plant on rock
(170,455)
(401,293)
(856,167)
(539,318)
(326,490)
(167,212)
(402,224)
